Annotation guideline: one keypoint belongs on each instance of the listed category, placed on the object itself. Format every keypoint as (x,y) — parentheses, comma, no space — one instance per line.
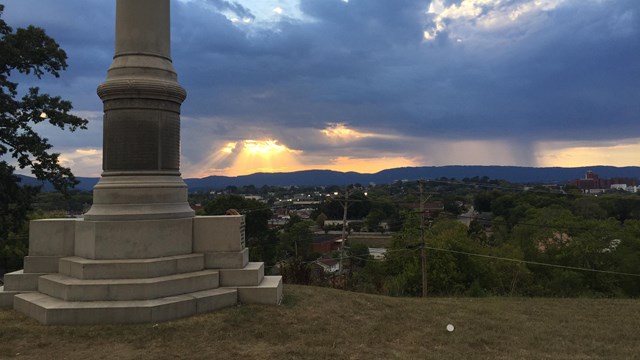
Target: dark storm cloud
(365,63)
(570,73)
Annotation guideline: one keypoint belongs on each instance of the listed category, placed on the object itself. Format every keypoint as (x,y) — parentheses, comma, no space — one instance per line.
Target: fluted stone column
(141,144)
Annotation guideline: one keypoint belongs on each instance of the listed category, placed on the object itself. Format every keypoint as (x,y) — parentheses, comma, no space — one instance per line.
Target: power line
(348,257)
(482,256)
(533,262)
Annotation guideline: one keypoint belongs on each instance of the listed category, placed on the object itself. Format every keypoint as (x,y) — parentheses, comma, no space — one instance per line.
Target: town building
(592,183)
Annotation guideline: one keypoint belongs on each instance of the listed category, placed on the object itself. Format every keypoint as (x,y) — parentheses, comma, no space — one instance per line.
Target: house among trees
(328,265)
(325,243)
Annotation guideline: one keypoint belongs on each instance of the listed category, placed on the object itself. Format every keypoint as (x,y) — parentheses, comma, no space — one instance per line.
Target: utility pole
(423,252)
(345,206)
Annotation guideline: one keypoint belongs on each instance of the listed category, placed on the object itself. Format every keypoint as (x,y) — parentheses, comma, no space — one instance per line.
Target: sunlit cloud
(83,162)
(246,157)
(266,148)
(245,20)
(228,149)
(486,14)
(341,131)
(278,10)
(263,156)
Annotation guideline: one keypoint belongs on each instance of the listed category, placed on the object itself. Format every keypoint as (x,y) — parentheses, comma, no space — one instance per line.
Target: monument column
(141,142)
(139,255)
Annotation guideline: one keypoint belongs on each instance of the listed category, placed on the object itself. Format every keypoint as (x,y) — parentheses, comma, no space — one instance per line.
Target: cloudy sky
(363,85)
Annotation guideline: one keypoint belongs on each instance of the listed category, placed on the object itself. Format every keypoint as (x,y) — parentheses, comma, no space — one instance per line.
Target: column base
(139,196)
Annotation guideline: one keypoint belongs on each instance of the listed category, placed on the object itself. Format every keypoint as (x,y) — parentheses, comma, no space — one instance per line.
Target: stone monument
(139,254)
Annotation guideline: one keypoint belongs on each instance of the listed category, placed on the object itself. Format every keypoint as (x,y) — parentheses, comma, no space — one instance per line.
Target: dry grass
(317,323)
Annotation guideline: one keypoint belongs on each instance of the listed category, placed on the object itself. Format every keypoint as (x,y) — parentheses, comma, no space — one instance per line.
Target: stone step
(41,264)
(226,260)
(71,289)
(269,292)
(82,268)
(250,275)
(52,311)
(6,297)
(21,281)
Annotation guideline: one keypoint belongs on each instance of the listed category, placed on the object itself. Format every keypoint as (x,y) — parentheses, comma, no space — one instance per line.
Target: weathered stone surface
(227,260)
(81,268)
(6,297)
(120,196)
(133,239)
(52,237)
(21,281)
(269,292)
(41,264)
(72,289)
(218,233)
(210,300)
(51,311)
(250,275)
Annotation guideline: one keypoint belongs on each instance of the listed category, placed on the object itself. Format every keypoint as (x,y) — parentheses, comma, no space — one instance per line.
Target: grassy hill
(319,323)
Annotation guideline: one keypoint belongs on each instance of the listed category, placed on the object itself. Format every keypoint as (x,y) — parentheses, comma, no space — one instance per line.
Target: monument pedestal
(94,283)
(139,254)
(103,240)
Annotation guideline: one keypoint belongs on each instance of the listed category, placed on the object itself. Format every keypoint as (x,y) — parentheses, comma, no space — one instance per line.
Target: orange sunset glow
(269,155)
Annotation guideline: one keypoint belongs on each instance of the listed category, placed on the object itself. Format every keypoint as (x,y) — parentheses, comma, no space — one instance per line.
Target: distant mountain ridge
(515,174)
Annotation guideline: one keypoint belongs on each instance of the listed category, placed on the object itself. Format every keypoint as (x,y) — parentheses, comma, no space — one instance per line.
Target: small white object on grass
(450,328)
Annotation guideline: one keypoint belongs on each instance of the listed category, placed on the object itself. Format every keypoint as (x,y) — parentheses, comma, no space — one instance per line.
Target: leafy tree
(359,206)
(15,205)
(359,255)
(482,201)
(402,261)
(588,208)
(257,215)
(320,219)
(296,240)
(295,271)
(370,278)
(376,215)
(28,51)
(627,256)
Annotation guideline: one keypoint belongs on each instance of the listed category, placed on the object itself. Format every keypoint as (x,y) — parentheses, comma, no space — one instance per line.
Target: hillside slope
(319,323)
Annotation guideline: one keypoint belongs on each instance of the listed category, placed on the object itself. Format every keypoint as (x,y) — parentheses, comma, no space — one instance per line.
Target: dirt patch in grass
(319,323)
